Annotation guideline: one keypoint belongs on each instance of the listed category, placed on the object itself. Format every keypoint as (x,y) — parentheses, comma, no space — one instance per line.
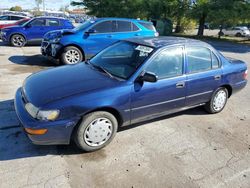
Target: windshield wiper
(102,69)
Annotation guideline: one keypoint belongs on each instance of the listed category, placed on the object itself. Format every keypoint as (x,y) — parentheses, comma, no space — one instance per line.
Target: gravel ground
(187,149)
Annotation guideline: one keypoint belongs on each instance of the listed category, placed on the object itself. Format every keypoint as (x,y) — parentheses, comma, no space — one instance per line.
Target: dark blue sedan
(129,82)
(33,30)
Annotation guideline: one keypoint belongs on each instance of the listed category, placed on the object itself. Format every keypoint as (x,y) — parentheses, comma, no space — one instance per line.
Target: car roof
(123,19)
(15,15)
(158,42)
(52,17)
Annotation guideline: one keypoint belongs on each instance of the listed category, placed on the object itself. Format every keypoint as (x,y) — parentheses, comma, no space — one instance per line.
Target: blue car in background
(83,42)
(131,81)
(33,30)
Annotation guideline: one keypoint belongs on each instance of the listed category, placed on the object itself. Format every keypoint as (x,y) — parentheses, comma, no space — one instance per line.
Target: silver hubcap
(219,100)
(18,40)
(98,132)
(72,57)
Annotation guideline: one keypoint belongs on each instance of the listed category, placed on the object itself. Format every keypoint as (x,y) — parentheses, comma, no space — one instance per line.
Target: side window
(53,22)
(168,63)
(16,18)
(134,27)
(38,22)
(215,61)
(4,18)
(199,59)
(103,27)
(123,26)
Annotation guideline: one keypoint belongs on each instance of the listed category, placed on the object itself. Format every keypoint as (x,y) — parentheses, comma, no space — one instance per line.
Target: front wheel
(17,40)
(71,55)
(96,130)
(218,101)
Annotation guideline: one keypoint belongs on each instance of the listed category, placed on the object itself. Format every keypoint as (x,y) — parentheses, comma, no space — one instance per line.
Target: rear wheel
(17,40)
(218,101)
(96,130)
(71,55)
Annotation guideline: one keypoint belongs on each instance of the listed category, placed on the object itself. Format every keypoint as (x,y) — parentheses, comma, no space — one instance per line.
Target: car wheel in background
(218,101)
(238,35)
(71,55)
(96,130)
(17,40)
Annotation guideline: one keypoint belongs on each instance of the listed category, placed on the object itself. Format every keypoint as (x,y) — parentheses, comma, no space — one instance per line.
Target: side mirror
(148,77)
(90,31)
(28,26)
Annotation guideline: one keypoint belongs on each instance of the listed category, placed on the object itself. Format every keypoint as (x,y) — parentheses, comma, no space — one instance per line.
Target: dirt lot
(187,149)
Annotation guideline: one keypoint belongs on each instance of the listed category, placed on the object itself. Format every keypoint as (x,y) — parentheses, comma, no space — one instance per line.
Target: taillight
(245,75)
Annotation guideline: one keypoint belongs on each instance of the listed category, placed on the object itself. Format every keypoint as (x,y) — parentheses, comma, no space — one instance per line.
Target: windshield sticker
(144,49)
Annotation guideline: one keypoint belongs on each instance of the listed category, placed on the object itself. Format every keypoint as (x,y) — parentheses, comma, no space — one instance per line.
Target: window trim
(167,48)
(211,51)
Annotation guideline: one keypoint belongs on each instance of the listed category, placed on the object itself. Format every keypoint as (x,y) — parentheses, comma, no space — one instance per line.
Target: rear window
(149,26)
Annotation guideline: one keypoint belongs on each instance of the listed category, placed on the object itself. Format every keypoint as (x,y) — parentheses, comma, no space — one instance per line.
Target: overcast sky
(27,4)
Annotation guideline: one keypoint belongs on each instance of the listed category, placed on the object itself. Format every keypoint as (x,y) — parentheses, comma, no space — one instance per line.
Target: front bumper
(50,49)
(59,132)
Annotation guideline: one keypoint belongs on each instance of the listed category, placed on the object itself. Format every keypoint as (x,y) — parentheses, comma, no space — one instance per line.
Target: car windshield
(83,26)
(122,59)
(22,22)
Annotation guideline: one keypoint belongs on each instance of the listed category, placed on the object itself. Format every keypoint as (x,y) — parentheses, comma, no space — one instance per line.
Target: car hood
(47,86)
(16,27)
(58,33)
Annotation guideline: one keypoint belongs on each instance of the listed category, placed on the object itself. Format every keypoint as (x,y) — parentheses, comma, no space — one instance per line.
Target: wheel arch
(12,34)
(74,45)
(229,89)
(111,110)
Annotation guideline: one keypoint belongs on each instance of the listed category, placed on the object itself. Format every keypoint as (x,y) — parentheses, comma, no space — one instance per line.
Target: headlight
(55,40)
(45,115)
(3,33)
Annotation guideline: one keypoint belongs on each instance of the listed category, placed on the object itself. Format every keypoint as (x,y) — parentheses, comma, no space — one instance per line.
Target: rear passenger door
(203,74)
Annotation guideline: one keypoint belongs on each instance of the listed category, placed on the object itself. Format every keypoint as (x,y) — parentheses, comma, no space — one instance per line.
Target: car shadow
(36,60)
(14,143)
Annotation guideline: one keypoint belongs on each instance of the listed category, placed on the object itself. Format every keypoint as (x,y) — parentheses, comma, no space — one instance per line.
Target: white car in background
(8,19)
(236,31)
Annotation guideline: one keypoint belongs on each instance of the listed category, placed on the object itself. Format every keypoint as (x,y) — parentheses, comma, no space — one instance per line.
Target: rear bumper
(239,86)
(59,132)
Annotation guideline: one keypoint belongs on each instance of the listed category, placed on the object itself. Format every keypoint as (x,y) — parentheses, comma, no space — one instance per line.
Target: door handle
(137,34)
(180,85)
(110,36)
(217,77)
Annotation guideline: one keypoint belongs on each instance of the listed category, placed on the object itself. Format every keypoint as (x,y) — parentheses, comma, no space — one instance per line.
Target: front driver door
(36,29)
(149,100)
(102,38)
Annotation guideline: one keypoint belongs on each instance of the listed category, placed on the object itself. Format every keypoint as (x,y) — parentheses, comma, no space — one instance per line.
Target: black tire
(238,35)
(17,40)
(66,61)
(87,121)
(210,108)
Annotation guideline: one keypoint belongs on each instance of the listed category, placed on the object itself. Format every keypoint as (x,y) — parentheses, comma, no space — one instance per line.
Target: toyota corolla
(129,82)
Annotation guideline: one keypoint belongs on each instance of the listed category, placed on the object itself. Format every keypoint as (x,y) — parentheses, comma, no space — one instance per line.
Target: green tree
(38,3)
(16,8)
